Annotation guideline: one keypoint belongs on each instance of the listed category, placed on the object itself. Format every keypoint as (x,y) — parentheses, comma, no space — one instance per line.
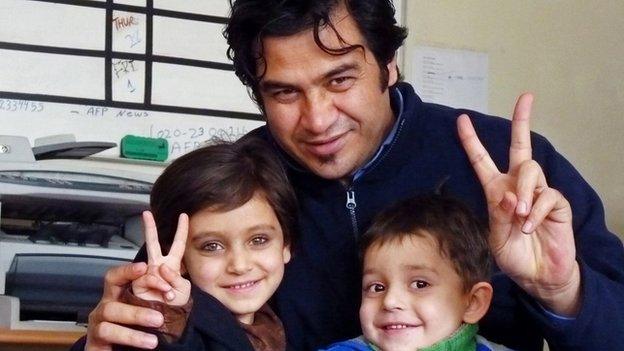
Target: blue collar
(397,102)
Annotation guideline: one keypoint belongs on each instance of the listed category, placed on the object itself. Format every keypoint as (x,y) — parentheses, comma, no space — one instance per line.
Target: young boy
(231,248)
(426,266)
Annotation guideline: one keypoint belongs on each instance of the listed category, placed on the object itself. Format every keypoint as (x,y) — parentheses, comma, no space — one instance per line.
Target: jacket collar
(397,107)
(463,339)
(212,318)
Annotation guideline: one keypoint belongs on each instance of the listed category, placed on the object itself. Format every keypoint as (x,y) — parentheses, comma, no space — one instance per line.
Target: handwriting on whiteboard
(12,105)
(184,139)
(128,75)
(102,111)
(183,133)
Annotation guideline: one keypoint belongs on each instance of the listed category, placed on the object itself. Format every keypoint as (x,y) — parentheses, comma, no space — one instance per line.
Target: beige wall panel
(569,53)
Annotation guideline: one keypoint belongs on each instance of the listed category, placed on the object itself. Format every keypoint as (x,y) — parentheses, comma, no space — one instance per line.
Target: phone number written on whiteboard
(228,133)
(183,140)
(20,105)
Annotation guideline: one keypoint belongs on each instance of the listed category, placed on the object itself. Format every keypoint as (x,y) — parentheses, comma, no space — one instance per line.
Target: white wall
(568,52)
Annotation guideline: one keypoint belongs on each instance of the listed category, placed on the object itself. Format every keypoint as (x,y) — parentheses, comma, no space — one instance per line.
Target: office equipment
(69,149)
(156,149)
(63,223)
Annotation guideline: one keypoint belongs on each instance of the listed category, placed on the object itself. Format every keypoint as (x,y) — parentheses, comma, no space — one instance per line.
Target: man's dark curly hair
(252,20)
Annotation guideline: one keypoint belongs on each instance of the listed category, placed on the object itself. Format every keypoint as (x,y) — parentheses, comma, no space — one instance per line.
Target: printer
(65,219)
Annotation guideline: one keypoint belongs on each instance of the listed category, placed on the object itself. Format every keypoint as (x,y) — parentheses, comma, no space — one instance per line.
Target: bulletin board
(102,69)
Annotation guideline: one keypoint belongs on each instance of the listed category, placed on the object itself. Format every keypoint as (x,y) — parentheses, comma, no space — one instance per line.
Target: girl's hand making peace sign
(163,281)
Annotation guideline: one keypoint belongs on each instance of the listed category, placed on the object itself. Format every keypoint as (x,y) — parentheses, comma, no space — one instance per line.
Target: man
(356,140)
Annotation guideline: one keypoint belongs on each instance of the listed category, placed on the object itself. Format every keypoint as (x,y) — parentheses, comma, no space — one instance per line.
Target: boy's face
(237,256)
(412,297)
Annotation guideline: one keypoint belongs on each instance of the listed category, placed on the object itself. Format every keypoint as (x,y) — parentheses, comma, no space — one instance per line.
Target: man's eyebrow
(269,84)
(341,69)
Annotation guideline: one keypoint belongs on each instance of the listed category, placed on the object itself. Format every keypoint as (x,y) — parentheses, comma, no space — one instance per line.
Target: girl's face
(237,256)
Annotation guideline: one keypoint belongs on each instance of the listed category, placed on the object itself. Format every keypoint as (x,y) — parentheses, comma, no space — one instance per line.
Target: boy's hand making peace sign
(163,281)
(531,235)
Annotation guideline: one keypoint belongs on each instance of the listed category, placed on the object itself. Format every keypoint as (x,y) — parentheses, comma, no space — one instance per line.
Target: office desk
(35,340)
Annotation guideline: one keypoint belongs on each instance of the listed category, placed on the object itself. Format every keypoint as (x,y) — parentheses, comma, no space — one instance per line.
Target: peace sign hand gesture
(531,235)
(163,281)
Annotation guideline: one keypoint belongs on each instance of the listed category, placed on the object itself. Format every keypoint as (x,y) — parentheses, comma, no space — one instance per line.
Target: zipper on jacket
(351,205)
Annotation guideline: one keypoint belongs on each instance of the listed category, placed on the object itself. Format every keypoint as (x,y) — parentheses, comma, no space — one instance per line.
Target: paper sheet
(457,78)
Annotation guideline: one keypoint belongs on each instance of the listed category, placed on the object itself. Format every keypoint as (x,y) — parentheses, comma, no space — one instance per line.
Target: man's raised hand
(531,236)
(108,319)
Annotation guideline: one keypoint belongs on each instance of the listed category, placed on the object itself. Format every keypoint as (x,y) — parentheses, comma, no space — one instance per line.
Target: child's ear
(286,253)
(479,299)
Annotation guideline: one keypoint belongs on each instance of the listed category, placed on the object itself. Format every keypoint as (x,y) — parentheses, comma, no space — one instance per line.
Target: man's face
(412,297)
(329,112)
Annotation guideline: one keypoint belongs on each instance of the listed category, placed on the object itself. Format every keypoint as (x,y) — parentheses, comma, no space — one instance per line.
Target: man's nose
(319,112)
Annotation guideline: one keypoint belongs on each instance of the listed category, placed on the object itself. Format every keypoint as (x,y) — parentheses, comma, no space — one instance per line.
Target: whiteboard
(103,69)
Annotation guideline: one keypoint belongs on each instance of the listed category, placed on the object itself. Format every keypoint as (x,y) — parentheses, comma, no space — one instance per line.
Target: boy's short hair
(458,233)
(222,177)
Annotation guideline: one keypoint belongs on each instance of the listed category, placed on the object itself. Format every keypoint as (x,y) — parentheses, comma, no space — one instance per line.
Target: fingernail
(527,228)
(522,207)
(155,319)
(150,342)
(169,295)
